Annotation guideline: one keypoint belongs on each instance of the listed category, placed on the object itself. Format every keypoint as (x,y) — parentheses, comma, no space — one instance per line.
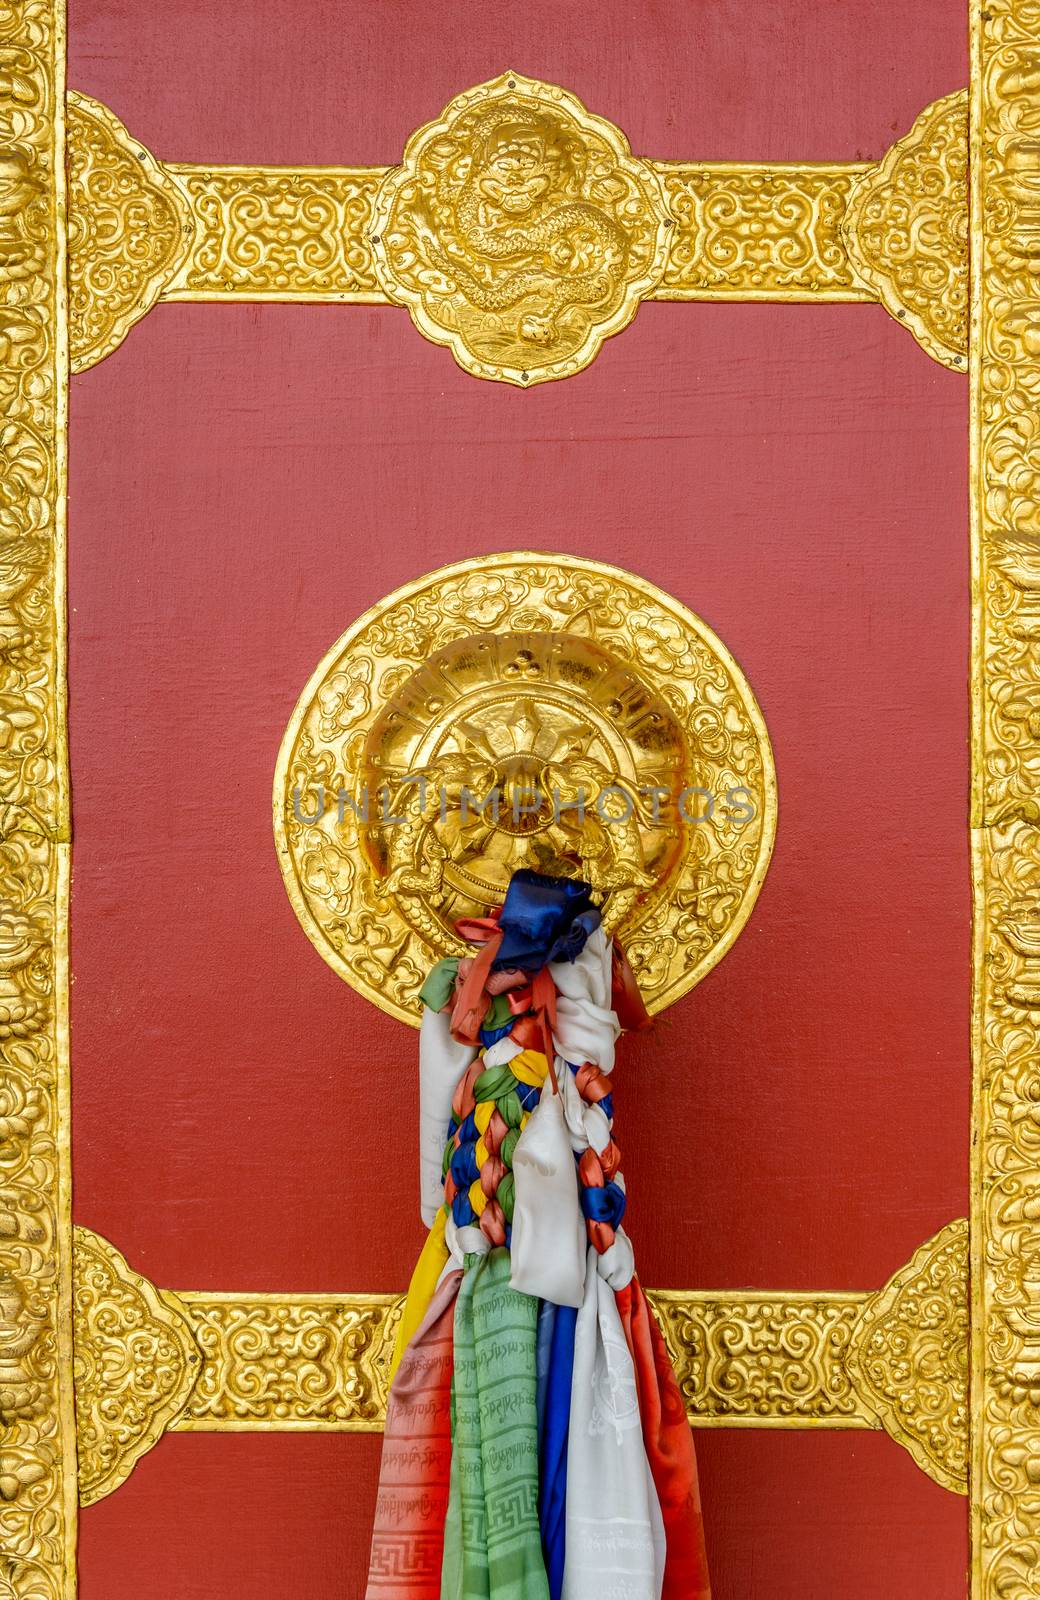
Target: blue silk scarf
(556,1327)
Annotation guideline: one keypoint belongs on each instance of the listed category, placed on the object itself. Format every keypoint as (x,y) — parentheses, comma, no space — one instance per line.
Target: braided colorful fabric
(490,1111)
(572,1464)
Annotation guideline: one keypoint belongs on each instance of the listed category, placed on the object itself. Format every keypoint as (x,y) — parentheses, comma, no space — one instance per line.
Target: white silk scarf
(615,1532)
(548,1240)
(586,1025)
(547,1248)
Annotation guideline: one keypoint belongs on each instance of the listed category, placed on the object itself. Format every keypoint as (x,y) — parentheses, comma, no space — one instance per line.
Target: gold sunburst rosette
(534,710)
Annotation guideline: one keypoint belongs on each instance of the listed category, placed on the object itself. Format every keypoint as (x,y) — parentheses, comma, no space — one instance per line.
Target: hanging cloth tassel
(492,1541)
(408,1537)
(548,1240)
(669,1449)
(615,1534)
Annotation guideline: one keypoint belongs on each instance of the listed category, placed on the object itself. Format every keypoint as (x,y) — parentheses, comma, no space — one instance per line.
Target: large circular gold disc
(523,710)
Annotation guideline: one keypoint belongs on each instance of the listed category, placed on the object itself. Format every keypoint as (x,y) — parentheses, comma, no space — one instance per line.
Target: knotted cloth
(572,1471)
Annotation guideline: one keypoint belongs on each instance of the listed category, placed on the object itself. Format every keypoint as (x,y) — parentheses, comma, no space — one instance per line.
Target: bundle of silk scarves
(536,1445)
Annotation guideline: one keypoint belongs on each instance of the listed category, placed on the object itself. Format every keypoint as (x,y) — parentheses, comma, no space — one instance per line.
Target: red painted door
(246,480)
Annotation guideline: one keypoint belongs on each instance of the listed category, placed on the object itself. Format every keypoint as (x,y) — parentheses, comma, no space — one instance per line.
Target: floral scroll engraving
(37,1430)
(909,1356)
(756,233)
(906,230)
(195,1362)
(136,1362)
(520,231)
(129,228)
(897,1359)
(758,1358)
(301,1362)
(272,233)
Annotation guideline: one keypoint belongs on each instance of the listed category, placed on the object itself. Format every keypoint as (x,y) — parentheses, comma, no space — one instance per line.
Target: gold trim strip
(290,1363)
(273,1363)
(743,231)
(201,1362)
(279,233)
(755,231)
(1005,385)
(37,1422)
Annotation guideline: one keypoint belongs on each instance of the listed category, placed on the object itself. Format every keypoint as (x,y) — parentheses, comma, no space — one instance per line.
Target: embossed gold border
(1005,800)
(38,1505)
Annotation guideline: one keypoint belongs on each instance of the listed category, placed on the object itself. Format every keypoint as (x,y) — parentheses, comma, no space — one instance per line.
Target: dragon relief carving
(35,1447)
(520,231)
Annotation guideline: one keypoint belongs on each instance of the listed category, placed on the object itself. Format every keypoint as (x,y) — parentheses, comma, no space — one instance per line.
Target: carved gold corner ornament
(37,1424)
(196,1362)
(906,230)
(130,228)
(1005,389)
(613,732)
(520,231)
(897,1359)
(908,1358)
(136,1364)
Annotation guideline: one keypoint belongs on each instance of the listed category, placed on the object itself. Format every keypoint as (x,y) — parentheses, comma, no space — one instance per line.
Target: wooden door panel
(247,479)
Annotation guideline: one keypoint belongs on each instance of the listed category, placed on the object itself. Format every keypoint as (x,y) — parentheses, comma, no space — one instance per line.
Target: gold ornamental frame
(152,231)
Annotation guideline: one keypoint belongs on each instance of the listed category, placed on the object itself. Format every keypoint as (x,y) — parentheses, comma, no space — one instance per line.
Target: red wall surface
(246,480)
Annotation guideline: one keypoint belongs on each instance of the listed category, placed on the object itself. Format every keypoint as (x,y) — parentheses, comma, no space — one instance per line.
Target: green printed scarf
(492,1541)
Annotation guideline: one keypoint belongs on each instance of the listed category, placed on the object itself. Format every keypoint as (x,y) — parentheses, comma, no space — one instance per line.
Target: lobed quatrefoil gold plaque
(614,734)
(520,231)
